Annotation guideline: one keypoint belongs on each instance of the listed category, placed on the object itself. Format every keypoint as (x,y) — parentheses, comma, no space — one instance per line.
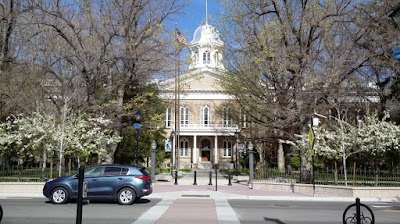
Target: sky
(195,13)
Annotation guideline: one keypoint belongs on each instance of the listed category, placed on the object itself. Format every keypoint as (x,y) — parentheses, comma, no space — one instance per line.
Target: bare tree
(102,48)
(279,61)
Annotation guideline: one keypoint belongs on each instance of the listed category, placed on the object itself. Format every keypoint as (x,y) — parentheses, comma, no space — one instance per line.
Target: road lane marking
(225,213)
(391,210)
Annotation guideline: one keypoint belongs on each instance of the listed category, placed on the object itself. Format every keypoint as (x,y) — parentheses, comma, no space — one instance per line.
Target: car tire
(126,196)
(59,195)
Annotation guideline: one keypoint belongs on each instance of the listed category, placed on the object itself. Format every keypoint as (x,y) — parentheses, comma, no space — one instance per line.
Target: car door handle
(94,179)
(121,178)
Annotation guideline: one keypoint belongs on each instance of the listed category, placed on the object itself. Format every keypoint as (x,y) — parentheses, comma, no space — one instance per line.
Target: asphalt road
(298,212)
(39,211)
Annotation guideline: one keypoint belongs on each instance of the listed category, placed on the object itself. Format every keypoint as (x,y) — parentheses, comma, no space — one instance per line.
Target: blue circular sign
(137,125)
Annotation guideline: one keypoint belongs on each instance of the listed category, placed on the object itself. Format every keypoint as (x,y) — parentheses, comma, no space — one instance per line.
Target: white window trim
(168,117)
(227,149)
(184,152)
(185,121)
(203,116)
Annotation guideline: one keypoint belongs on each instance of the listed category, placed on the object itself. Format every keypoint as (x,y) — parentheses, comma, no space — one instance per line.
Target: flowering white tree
(41,133)
(372,137)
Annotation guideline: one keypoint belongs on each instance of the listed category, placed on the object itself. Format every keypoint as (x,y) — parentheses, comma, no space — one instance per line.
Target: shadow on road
(276,221)
(101,201)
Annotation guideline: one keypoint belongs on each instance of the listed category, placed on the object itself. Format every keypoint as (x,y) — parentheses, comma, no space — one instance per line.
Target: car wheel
(59,196)
(126,196)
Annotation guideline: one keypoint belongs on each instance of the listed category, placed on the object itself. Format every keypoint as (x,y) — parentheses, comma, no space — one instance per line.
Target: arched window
(205,116)
(205,143)
(227,147)
(184,116)
(184,148)
(168,117)
(206,57)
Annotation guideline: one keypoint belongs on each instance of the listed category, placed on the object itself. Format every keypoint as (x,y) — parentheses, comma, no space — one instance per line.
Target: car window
(135,171)
(93,171)
(124,171)
(112,171)
(144,171)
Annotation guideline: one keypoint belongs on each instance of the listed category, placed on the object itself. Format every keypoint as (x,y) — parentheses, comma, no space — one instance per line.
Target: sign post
(82,192)
(311,139)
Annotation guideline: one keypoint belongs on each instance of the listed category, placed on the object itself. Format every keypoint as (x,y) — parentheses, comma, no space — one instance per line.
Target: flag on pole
(180,38)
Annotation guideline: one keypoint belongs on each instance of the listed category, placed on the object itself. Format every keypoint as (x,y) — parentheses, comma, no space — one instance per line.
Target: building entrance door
(205,155)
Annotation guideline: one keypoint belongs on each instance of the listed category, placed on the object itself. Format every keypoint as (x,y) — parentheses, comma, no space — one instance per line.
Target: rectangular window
(227,147)
(184,148)
(243,118)
(227,117)
(184,152)
(112,171)
(168,118)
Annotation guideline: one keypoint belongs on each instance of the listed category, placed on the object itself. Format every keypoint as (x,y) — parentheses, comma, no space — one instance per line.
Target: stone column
(195,156)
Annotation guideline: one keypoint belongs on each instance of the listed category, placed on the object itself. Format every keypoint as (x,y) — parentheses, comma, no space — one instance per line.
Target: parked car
(122,183)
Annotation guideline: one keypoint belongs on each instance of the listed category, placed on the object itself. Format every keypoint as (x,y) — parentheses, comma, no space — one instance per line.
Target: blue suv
(123,183)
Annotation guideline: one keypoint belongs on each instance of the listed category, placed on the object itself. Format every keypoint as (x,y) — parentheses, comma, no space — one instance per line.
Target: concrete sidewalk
(204,203)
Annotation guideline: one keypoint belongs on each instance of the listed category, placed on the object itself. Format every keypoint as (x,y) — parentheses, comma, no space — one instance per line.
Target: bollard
(195,182)
(229,177)
(210,174)
(176,177)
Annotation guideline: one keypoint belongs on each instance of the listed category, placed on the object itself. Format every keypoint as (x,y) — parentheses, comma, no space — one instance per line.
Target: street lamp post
(153,159)
(137,126)
(314,123)
(251,164)
(236,150)
(171,137)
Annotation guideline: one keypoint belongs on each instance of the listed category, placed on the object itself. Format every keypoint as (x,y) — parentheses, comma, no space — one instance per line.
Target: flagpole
(180,42)
(206,12)
(179,108)
(175,111)
(177,103)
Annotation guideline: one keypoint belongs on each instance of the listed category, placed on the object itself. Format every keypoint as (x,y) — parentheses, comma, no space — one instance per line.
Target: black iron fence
(371,178)
(29,174)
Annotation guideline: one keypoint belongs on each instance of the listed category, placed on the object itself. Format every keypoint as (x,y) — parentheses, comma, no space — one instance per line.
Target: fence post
(210,174)
(376,178)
